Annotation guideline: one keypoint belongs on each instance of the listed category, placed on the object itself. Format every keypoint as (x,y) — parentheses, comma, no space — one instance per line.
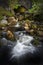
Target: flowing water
(22,51)
(17,25)
(23,46)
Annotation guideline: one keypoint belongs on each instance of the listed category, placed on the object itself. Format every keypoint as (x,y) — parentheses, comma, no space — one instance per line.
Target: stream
(21,51)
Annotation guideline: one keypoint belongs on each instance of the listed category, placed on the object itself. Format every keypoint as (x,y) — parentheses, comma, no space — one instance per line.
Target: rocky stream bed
(21,40)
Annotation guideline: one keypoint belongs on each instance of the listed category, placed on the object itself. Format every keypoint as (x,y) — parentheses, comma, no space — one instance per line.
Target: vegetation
(37,9)
(29,19)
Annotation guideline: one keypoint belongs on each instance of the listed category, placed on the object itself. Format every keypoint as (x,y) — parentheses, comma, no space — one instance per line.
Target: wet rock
(10,43)
(3,34)
(3,41)
(26,26)
(12,21)
(3,28)
(22,9)
(4,22)
(20,17)
(41,39)
(27,21)
(31,31)
(19,29)
(40,33)
(10,35)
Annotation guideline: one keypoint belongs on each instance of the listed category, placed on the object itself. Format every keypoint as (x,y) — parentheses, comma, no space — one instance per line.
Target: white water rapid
(23,46)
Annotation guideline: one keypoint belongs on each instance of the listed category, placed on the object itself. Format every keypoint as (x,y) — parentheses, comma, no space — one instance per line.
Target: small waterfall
(17,25)
(23,46)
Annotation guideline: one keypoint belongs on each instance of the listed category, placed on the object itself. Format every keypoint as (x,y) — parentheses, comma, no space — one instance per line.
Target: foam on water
(23,46)
(17,25)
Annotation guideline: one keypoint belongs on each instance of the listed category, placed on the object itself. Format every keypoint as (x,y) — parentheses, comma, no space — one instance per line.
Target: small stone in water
(3,41)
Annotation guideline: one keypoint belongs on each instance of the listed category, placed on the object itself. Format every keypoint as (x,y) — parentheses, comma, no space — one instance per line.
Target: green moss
(36,41)
(3,12)
(37,9)
(14,6)
(1,17)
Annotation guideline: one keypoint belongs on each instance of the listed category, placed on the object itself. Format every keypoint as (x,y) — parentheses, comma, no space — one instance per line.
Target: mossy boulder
(20,9)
